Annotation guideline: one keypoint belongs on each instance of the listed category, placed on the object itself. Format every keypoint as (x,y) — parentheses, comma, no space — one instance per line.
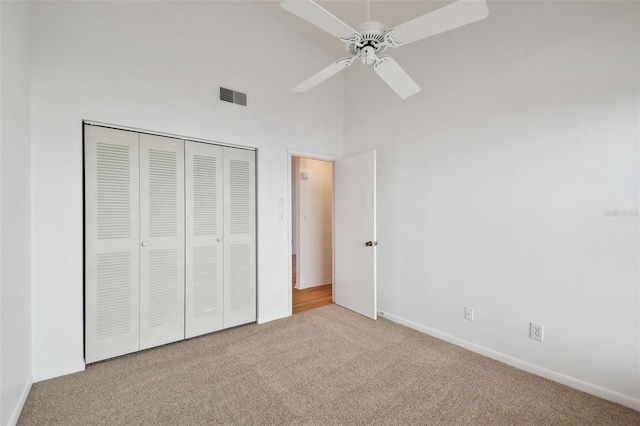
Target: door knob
(219,239)
(144,244)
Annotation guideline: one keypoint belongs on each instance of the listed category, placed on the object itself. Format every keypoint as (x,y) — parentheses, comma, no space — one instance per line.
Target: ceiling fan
(372,38)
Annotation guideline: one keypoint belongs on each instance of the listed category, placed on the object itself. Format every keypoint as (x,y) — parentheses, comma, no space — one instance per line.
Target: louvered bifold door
(204,246)
(161,240)
(239,237)
(111,243)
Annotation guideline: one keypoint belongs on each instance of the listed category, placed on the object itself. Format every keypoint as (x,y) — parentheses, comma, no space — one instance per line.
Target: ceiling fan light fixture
(368,55)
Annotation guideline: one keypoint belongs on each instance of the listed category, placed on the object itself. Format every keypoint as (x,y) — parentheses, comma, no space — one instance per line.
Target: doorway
(311,233)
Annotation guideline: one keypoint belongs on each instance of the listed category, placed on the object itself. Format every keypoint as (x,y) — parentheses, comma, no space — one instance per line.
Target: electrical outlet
(536,331)
(468,313)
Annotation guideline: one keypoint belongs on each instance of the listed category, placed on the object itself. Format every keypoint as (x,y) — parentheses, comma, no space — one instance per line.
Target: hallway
(310,298)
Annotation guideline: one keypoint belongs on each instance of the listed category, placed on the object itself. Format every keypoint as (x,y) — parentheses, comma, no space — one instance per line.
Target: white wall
(493,184)
(314,223)
(158,66)
(15,212)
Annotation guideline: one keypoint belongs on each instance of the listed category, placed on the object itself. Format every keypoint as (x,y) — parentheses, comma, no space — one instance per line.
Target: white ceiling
(354,12)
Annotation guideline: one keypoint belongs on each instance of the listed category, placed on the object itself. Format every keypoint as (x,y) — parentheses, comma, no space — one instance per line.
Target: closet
(169,240)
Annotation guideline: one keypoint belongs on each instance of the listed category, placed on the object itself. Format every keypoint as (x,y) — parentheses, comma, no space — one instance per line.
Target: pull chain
(368,10)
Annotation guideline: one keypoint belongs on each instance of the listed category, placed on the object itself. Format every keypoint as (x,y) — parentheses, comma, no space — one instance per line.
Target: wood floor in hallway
(311,298)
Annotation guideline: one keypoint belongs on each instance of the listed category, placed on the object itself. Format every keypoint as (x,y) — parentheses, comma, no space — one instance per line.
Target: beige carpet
(325,366)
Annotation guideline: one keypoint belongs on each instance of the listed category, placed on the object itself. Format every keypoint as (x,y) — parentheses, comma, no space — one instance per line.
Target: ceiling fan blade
(396,77)
(452,16)
(323,75)
(321,18)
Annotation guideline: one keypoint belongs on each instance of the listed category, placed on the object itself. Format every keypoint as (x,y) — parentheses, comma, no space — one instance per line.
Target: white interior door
(239,236)
(204,247)
(355,234)
(111,243)
(161,240)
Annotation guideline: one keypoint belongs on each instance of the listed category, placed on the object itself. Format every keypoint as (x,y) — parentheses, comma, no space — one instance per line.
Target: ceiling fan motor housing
(372,41)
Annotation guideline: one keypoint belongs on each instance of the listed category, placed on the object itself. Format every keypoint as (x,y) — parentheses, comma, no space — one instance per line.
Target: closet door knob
(219,239)
(144,244)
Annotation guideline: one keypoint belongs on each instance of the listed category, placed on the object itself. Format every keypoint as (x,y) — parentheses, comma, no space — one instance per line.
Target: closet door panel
(162,240)
(204,247)
(239,237)
(111,243)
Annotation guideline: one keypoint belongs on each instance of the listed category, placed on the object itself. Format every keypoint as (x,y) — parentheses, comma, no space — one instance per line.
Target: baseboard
(39,376)
(264,320)
(15,414)
(572,382)
(315,285)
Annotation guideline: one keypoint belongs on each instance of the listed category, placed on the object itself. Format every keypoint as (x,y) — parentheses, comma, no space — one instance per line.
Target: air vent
(228,95)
